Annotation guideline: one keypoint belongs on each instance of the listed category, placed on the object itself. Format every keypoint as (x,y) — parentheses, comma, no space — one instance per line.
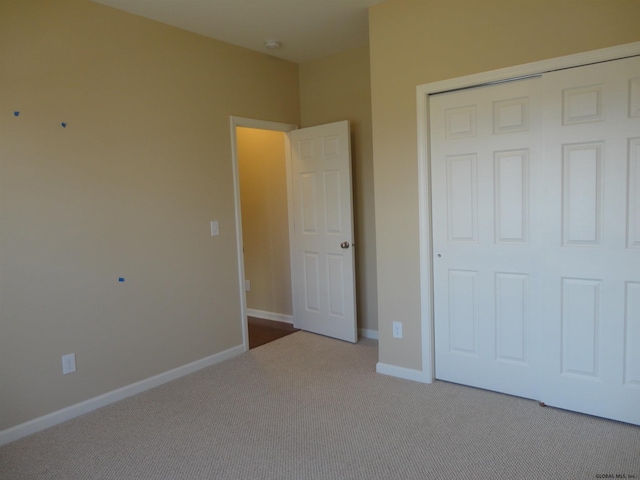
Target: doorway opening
(319,202)
(260,163)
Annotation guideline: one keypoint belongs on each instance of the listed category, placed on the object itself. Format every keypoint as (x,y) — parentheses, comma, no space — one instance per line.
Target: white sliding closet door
(536,234)
(590,293)
(485,168)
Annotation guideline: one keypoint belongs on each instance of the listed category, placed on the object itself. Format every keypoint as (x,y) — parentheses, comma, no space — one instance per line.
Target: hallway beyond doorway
(263,331)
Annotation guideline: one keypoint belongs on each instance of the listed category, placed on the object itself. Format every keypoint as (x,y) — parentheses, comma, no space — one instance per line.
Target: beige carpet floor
(309,407)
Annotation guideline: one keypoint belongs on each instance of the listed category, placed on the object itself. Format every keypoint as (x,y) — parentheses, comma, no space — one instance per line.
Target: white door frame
(427,375)
(262,125)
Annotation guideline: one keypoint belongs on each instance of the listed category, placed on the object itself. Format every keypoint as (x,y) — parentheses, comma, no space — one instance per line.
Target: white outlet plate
(397,329)
(215,228)
(247,285)
(68,363)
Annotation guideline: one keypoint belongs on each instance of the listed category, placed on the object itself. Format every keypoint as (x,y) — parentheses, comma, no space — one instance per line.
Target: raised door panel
(511,196)
(463,311)
(512,317)
(582,194)
(634,97)
(309,203)
(336,283)
(581,312)
(633,194)
(511,115)
(462,203)
(582,105)
(632,335)
(333,204)
(311,282)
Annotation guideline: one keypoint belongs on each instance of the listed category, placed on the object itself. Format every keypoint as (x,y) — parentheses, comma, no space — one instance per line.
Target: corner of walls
(127,188)
(336,88)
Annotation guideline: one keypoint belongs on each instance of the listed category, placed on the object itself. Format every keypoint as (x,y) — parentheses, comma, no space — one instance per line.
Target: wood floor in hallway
(263,331)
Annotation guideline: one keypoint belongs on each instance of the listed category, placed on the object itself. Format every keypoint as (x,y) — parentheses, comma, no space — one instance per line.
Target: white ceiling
(307,29)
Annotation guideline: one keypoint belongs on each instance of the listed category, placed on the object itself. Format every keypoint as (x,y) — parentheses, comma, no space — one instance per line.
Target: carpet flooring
(309,407)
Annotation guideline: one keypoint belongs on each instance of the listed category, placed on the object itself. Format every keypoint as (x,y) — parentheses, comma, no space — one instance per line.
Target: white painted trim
(402,372)
(424,231)
(424,181)
(262,125)
(534,68)
(276,317)
(55,418)
(367,333)
(292,226)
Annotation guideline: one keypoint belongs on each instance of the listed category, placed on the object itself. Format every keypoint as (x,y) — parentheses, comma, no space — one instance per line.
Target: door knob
(344,245)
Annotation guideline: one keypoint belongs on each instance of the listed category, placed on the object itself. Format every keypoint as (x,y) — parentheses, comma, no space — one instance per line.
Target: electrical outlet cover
(397,329)
(68,363)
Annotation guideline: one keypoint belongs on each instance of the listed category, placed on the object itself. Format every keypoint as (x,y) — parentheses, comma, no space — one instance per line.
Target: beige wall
(414,42)
(127,189)
(338,88)
(265,220)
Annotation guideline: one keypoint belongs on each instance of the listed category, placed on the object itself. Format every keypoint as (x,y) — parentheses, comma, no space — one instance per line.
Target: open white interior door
(322,240)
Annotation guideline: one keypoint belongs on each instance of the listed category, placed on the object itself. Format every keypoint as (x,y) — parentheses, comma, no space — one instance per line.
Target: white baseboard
(276,317)
(402,372)
(280,317)
(46,421)
(366,333)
